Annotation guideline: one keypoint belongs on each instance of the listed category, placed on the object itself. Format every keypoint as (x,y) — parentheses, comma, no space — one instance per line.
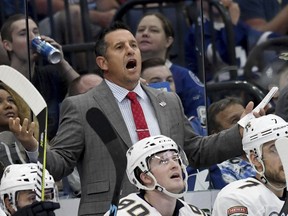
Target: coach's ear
(102,63)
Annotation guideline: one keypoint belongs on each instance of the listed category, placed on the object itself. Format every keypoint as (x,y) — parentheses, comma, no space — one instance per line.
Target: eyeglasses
(164,159)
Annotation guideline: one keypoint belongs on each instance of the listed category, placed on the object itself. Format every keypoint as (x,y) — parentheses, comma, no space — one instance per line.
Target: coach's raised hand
(24,133)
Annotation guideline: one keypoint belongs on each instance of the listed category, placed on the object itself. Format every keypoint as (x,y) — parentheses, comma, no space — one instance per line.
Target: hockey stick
(25,89)
(282,149)
(101,125)
(243,121)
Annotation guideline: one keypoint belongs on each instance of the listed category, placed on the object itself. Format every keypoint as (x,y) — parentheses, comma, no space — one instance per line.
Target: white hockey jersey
(133,205)
(246,197)
(2,213)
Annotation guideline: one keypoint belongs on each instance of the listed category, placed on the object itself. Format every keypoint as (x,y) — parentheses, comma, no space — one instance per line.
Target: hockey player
(264,194)
(157,167)
(17,192)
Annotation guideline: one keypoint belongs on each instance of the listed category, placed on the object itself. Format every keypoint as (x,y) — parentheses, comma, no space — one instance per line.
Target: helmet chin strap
(174,195)
(264,180)
(163,189)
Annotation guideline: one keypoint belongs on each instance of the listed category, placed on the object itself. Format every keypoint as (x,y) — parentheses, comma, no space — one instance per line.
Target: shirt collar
(168,63)
(120,92)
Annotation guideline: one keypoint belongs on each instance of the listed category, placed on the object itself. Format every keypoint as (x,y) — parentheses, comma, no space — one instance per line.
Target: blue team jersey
(261,9)
(235,169)
(219,175)
(190,90)
(244,36)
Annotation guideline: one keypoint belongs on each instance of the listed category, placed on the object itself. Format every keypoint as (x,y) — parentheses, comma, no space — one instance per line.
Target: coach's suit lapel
(158,101)
(110,108)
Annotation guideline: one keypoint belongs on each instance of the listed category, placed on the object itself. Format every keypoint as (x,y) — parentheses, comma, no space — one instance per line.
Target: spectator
(83,83)
(245,39)
(11,106)
(264,194)
(100,14)
(52,80)
(154,71)
(271,72)
(224,114)
(76,143)
(15,7)
(157,166)
(17,191)
(265,15)
(155,36)
(3,55)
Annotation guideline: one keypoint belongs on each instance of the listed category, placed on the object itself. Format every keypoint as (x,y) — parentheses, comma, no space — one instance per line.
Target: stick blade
(282,149)
(24,88)
(102,126)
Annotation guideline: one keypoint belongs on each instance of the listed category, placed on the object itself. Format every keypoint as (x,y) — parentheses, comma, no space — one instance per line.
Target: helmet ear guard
(137,161)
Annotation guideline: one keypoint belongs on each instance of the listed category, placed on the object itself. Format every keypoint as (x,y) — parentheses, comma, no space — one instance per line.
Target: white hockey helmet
(139,154)
(262,130)
(19,177)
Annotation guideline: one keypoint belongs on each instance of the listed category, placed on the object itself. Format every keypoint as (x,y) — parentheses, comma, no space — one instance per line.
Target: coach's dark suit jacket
(76,142)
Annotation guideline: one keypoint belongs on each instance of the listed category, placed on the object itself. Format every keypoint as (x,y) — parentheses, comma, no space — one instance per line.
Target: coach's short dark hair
(100,45)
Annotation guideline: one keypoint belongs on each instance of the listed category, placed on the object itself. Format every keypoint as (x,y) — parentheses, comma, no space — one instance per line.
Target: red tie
(138,115)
